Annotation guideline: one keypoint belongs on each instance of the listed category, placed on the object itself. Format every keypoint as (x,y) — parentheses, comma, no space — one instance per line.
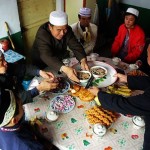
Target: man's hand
(46,75)
(70,72)
(94,90)
(84,65)
(121,77)
(46,85)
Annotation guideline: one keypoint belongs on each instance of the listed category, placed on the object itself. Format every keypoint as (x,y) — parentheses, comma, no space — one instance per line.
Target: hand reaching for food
(47,85)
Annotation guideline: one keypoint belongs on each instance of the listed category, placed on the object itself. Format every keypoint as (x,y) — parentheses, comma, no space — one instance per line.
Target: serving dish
(100,82)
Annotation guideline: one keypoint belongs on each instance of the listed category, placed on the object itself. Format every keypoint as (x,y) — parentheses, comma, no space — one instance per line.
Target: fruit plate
(62,103)
(100,82)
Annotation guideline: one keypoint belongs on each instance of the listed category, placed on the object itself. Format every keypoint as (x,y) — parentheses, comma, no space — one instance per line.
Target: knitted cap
(86,12)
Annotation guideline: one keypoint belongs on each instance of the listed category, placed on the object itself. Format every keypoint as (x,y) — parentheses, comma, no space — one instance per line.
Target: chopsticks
(89,82)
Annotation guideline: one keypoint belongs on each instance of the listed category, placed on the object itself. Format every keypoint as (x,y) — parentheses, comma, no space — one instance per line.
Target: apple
(5,44)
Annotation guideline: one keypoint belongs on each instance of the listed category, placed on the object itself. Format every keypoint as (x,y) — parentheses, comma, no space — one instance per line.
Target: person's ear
(50,27)
(14,121)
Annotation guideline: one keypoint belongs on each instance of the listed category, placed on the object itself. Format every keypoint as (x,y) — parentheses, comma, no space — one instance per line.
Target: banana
(124,89)
(120,90)
(122,93)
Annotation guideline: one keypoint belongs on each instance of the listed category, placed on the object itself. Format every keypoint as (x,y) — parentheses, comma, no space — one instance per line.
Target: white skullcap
(58,18)
(85,12)
(133,11)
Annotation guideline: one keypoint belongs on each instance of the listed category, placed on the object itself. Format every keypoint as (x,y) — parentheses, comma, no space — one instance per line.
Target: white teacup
(99,130)
(51,115)
(66,61)
(116,60)
(133,66)
(138,122)
(94,56)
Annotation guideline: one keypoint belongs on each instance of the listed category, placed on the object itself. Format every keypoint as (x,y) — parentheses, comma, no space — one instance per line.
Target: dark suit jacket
(48,51)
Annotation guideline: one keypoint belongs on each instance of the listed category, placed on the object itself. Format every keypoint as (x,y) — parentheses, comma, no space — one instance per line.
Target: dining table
(72,131)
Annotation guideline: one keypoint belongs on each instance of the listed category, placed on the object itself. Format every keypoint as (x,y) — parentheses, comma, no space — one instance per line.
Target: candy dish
(62,103)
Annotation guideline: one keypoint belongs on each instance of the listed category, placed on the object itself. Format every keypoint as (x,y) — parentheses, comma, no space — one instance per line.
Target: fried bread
(82,93)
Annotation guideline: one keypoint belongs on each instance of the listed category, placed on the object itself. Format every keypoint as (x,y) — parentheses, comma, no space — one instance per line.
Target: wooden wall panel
(32,14)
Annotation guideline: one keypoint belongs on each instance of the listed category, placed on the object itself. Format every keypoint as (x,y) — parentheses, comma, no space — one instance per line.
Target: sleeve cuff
(34,92)
(38,72)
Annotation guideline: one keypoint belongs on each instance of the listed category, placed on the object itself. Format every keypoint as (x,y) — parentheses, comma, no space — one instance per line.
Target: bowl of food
(98,71)
(83,76)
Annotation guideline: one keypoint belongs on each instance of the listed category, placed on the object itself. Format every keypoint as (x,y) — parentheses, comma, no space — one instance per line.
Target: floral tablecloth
(73,132)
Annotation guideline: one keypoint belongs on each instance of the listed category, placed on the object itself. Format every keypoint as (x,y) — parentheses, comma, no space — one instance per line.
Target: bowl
(133,67)
(83,76)
(98,71)
(138,122)
(116,60)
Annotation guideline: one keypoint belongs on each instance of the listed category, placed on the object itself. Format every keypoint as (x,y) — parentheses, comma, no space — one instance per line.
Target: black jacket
(13,78)
(134,105)
(48,51)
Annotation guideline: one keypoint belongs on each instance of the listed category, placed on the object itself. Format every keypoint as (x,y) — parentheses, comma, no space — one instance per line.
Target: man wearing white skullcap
(50,45)
(130,40)
(85,31)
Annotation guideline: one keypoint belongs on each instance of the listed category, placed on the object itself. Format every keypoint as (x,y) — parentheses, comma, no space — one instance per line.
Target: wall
(33,13)
(9,14)
(138,3)
(73,7)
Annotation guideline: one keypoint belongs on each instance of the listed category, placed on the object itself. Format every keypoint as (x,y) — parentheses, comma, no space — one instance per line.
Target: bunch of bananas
(120,90)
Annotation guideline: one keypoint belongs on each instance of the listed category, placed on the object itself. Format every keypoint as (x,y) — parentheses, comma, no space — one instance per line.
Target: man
(15,133)
(50,45)
(130,40)
(85,32)
(11,77)
(134,105)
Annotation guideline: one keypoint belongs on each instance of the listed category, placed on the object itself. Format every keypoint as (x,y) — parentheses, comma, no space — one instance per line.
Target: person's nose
(62,32)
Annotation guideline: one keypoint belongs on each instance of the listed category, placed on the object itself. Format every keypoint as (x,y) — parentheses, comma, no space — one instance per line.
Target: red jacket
(136,43)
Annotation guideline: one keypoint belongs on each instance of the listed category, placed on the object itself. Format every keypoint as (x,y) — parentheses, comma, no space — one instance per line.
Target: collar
(4,129)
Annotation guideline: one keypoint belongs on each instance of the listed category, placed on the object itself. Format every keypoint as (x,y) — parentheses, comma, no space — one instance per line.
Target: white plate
(101,82)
